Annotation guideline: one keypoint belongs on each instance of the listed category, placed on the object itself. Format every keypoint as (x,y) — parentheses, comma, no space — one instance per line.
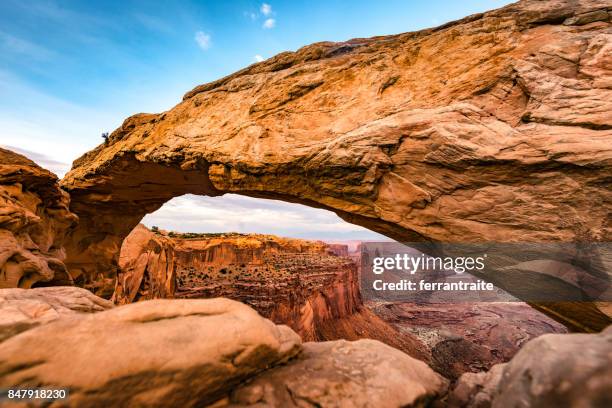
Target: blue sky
(70,70)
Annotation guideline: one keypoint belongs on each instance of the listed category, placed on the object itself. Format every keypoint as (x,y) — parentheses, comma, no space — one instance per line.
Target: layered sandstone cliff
(34,220)
(495,127)
(303,284)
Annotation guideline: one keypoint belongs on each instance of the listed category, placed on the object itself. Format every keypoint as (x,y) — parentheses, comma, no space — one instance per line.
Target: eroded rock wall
(34,220)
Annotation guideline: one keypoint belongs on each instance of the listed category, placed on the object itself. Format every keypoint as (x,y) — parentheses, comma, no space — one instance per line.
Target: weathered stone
(476,390)
(34,219)
(23,309)
(468,337)
(154,353)
(554,370)
(495,127)
(364,373)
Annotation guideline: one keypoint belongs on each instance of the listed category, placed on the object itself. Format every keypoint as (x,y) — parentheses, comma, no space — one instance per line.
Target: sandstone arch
(496,127)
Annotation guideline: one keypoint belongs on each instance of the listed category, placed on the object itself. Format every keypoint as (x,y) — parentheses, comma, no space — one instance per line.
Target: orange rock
(34,220)
(495,127)
(158,353)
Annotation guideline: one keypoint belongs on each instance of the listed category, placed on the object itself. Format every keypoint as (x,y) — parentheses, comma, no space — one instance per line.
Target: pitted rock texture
(299,283)
(23,309)
(364,373)
(34,220)
(468,337)
(157,353)
(496,127)
(554,370)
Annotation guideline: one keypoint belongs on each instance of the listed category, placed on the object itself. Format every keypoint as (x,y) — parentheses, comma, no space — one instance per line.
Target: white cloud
(266,9)
(44,161)
(259,58)
(269,23)
(203,40)
(236,213)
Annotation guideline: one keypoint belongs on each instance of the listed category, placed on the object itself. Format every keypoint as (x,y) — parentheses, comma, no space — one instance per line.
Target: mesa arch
(495,127)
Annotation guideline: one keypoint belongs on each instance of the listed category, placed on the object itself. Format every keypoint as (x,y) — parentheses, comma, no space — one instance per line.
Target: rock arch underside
(496,127)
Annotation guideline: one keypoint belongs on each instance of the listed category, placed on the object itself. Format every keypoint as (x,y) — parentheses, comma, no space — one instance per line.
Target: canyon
(308,285)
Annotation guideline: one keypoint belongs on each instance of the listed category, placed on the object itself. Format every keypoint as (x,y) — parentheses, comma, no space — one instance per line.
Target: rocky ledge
(191,353)
(221,353)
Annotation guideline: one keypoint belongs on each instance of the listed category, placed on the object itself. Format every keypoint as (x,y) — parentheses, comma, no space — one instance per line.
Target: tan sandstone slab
(154,353)
(363,373)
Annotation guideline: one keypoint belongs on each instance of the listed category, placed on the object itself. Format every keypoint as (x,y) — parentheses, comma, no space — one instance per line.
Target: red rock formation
(468,337)
(34,220)
(339,249)
(495,127)
(300,283)
(148,268)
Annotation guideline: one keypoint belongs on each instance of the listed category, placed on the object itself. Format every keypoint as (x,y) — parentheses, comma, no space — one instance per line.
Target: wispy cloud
(11,43)
(35,121)
(269,23)
(265,12)
(266,9)
(203,40)
(246,214)
(153,23)
(259,58)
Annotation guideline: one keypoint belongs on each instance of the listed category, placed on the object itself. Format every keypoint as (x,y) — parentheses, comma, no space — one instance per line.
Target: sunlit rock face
(303,284)
(193,353)
(34,220)
(495,127)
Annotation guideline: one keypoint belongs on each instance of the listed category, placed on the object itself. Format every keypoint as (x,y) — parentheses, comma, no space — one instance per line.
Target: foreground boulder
(23,309)
(34,220)
(363,373)
(495,127)
(554,370)
(193,353)
(155,353)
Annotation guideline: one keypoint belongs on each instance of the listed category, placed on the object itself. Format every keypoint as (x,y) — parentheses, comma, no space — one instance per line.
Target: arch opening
(298,266)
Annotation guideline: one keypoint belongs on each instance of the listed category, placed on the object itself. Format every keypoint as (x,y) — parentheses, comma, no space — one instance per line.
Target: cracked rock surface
(363,373)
